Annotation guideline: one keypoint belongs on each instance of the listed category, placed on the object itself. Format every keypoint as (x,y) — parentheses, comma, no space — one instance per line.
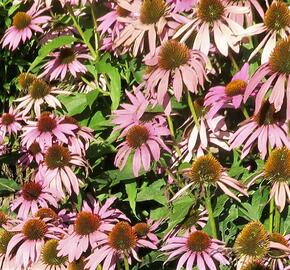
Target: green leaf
(131,190)
(98,121)
(74,104)
(8,186)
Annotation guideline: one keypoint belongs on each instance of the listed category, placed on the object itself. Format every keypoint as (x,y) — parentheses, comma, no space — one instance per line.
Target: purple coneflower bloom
(213,16)
(174,64)
(276,25)
(23,25)
(121,241)
(32,154)
(32,196)
(229,96)
(10,122)
(274,75)
(46,130)
(144,142)
(182,5)
(65,60)
(89,229)
(145,230)
(195,248)
(266,129)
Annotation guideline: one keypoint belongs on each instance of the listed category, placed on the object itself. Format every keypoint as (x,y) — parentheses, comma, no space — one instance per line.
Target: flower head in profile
(145,231)
(89,229)
(276,25)
(266,129)
(175,65)
(31,155)
(230,95)
(10,122)
(23,26)
(212,18)
(273,78)
(121,241)
(207,171)
(38,93)
(195,248)
(143,141)
(65,61)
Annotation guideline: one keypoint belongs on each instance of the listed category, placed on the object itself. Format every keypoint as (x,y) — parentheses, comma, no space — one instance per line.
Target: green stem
(126,264)
(82,34)
(277,218)
(234,63)
(210,213)
(172,133)
(192,109)
(245,112)
(271,215)
(93,12)
(99,267)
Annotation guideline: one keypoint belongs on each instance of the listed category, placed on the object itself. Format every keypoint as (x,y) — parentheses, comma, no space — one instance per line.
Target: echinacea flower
(230,95)
(46,130)
(276,25)
(31,155)
(206,171)
(145,230)
(195,248)
(274,77)
(10,122)
(266,129)
(212,17)
(57,169)
(146,24)
(175,65)
(254,265)
(65,60)
(24,23)
(32,196)
(89,229)
(277,172)
(121,242)
(39,92)
(29,236)
(144,142)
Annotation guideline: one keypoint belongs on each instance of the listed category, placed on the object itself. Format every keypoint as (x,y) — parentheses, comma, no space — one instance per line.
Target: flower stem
(172,133)
(245,112)
(277,218)
(192,109)
(271,215)
(126,264)
(93,12)
(234,63)
(82,34)
(210,212)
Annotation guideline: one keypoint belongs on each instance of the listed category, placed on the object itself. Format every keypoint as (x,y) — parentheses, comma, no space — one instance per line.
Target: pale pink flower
(47,130)
(226,32)
(182,5)
(65,60)
(143,141)
(276,25)
(10,122)
(28,240)
(266,129)
(175,65)
(24,23)
(57,169)
(90,226)
(31,155)
(142,27)
(195,248)
(274,78)
(229,96)
(121,241)
(145,230)
(32,196)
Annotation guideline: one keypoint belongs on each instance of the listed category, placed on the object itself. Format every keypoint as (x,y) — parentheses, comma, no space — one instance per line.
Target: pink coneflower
(182,5)
(266,129)
(121,242)
(57,169)
(46,130)
(274,75)
(145,230)
(212,16)
(30,236)
(10,122)
(207,170)
(39,92)
(89,229)
(33,154)
(144,142)
(23,25)
(195,248)
(276,25)
(147,24)
(65,60)
(174,64)
(229,96)
(32,196)
(276,171)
